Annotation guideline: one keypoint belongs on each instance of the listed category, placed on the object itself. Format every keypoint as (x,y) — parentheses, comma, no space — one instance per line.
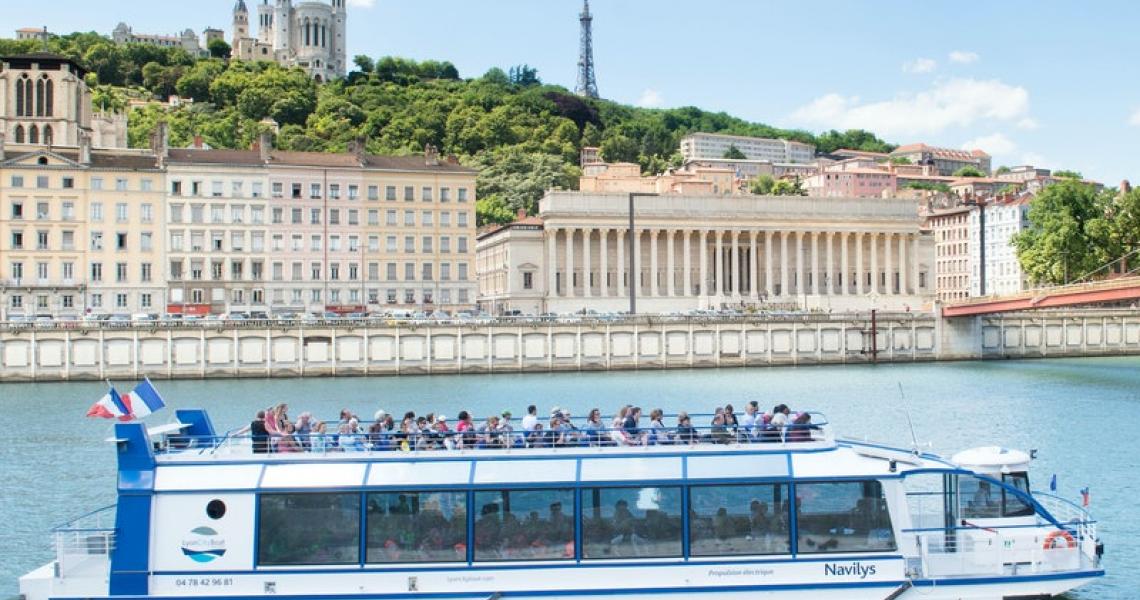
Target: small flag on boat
(1085,496)
(140,402)
(110,406)
(143,400)
(1053,483)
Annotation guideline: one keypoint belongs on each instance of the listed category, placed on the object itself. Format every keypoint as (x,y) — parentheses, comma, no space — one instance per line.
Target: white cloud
(963,57)
(995,144)
(919,65)
(1135,118)
(1028,123)
(650,99)
(362,3)
(950,103)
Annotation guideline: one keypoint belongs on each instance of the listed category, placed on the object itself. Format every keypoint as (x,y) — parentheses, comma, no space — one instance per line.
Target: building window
(544,520)
(373,192)
(528,281)
(409,194)
(340,545)
(462,194)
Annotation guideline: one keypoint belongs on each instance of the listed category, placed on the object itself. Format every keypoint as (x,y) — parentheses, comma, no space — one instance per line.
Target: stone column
(904,283)
(845,289)
(670,265)
(604,260)
(801,278)
(587,262)
(784,263)
(687,262)
(620,243)
(569,262)
(636,263)
(830,236)
(654,290)
(916,266)
(733,279)
(769,285)
(718,271)
(860,270)
(890,266)
(874,263)
(704,255)
(754,269)
(551,262)
(815,263)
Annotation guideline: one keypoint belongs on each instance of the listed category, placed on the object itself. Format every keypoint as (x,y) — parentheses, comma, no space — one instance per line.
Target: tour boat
(202,515)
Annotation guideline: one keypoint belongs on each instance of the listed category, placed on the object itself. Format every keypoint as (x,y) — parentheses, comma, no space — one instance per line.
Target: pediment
(40,158)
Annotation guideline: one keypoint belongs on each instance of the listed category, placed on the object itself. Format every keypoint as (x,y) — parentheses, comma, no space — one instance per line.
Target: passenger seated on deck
(593,428)
(319,439)
(505,431)
(630,433)
(350,438)
(258,433)
(800,429)
(488,434)
(720,433)
(302,428)
(686,433)
(287,442)
(657,435)
(536,438)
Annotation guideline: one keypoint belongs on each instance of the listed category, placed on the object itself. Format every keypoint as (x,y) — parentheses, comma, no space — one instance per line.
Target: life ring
(1052,543)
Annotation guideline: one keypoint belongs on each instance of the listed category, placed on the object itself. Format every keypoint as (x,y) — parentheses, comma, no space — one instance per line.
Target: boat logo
(203,544)
(855,569)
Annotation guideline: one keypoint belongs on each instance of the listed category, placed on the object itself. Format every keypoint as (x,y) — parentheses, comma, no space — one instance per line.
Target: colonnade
(733,264)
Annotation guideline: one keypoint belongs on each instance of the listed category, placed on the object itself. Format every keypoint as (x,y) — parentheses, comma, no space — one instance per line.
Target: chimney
(198,143)
(265,145)
(84,147)
(431,155)
(452,159)
(521,214)
(160,143)
(1125,187)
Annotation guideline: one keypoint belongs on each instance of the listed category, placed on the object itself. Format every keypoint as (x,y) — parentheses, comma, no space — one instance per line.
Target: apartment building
(945,160)
(952,265)
(217,240)
(1005,217)
(80,231)
(715,145)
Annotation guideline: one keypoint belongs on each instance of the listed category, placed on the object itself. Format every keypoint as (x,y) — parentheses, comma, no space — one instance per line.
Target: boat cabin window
(846,516)
(1012,505)
(524,525)
(982,500)
(729,520)
(631,522)
(410,527)
(309,529)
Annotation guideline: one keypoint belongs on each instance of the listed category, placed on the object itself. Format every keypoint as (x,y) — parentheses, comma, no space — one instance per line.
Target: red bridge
(1121,289)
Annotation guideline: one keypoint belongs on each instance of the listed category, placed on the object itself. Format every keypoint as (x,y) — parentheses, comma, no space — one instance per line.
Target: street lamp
(633,269)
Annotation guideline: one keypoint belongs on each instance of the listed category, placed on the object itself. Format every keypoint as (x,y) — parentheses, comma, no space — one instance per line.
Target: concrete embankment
(297,350)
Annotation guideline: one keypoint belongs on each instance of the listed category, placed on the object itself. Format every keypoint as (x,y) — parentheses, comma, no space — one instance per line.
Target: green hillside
(523,135)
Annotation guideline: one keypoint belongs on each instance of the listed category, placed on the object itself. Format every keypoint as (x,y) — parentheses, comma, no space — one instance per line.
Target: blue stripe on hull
(888,585)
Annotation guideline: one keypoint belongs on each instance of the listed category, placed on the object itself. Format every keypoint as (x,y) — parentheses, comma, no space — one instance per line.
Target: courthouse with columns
(707,252)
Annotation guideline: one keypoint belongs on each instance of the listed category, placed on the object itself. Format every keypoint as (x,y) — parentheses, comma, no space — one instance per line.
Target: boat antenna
(909,422)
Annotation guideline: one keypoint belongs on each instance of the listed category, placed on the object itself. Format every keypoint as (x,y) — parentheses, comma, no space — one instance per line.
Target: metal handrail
(578,437)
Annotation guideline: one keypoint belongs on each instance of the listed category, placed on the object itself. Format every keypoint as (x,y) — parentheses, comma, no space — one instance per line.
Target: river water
(1080,414)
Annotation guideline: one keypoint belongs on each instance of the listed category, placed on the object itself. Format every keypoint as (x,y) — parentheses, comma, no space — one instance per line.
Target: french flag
(143,400)
(110,406)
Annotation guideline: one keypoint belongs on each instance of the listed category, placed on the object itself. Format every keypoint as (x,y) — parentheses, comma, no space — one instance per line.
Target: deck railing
(579,436)
(85,543)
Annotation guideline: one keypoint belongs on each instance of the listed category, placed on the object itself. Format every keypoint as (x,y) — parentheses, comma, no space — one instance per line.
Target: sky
(1048,83)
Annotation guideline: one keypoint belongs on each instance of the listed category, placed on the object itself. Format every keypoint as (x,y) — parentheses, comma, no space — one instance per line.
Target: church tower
(340,27)
(241,22)
(282,29)
(265,22)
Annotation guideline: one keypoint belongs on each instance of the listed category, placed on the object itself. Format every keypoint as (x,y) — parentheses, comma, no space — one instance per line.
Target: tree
(493,210)
(219,48)
(1066,174)
(969,171)
(1002,170)
(524,76)
(363,63)
(734,153)
(900,160)
(619,148)
(926,185)
(785,187)
(762,185)
(1069,234)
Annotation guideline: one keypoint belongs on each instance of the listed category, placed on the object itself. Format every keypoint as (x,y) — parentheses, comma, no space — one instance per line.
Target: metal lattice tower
(587,84)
